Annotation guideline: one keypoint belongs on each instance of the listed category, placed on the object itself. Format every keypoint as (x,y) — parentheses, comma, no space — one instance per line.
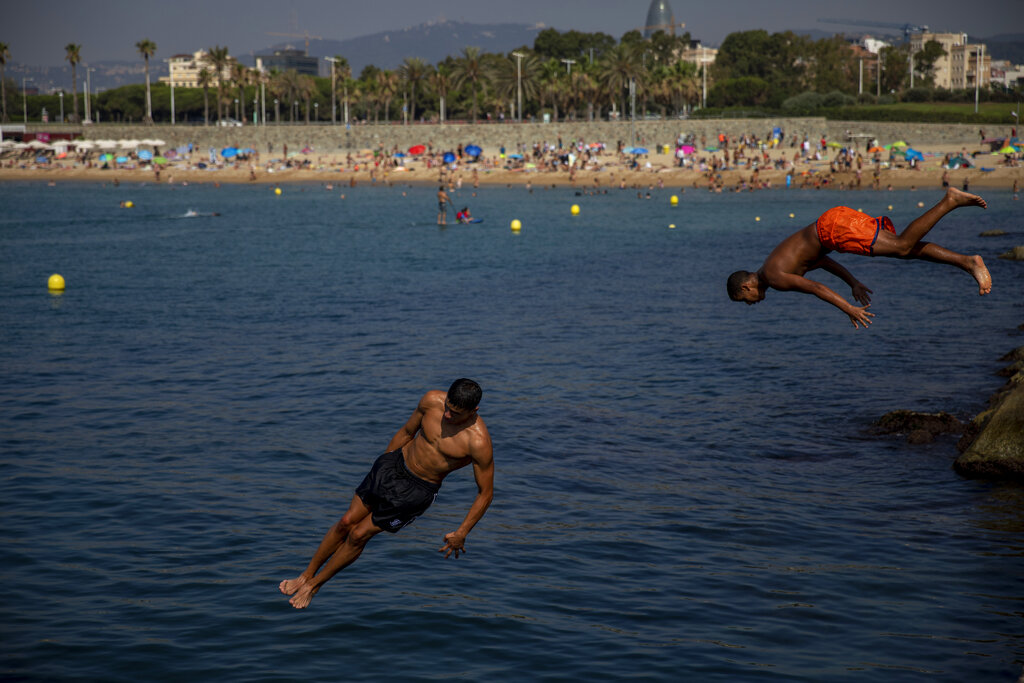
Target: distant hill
(432,41)
(1006,46)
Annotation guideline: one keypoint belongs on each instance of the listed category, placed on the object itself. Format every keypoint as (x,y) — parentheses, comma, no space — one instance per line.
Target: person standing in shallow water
(444,434)
(845,230)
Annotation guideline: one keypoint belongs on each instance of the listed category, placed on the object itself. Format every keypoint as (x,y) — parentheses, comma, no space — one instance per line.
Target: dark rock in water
(992,446)
(1012,369)
(1016,354)
(919,436)
(1015,254)
(920,427)
(992,233)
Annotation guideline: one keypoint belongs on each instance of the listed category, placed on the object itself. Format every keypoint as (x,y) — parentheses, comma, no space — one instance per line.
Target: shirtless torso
(436,441)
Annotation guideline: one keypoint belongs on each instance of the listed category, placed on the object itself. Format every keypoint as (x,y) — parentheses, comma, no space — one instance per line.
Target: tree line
(565,75)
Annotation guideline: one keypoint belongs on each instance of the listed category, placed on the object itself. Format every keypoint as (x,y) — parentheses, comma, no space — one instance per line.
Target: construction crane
(906,28)
(667,28)
(304,34)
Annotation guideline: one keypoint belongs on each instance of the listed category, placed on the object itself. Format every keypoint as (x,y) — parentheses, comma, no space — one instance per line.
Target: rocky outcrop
(918,427)
(992,446)
(1015,254)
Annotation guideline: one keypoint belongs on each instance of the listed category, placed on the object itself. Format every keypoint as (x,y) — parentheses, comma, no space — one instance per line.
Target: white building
(184,70)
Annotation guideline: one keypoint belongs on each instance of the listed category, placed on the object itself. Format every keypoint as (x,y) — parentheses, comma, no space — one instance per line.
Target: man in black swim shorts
(444,434)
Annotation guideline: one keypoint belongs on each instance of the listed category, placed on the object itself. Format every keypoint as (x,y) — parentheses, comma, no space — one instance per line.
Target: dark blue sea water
(686,488)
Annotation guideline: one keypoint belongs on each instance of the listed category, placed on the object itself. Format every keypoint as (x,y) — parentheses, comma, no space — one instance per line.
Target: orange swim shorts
(850,232)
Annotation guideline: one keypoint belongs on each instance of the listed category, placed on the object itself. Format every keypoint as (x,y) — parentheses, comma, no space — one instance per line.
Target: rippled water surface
(686,487)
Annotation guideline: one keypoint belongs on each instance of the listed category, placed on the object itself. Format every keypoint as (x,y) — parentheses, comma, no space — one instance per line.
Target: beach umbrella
(416,150)
(38,144)
(595,145)
(106,144)
(399,154)
(42,160)
(515,156)
(900,143)
(159,160)
(307,150)
(448,157)
(229,152)
(876,148)
(627,150)
(145,155)
(151,142)
(640,150)
(913,154)
(247,150)
(121,160)
(473,150)
(834,144)
(1007,150)
(106,157)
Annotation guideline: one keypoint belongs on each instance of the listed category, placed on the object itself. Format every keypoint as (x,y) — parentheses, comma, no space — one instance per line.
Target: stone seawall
(325,138)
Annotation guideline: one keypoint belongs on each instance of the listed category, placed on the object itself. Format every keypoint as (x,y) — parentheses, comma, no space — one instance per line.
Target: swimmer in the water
(852,232)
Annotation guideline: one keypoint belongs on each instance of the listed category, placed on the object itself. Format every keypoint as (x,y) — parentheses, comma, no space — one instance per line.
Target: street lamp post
(236,109)
(334,106)
(170,71)
(88,93)
(704,89)
(255,110)
(61,94)
(568,66)
(979,59)
(316,112)
(24,99)
(519,84)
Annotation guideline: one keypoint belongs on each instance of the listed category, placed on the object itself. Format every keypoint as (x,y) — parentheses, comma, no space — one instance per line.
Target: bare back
(441,446)
(800,252)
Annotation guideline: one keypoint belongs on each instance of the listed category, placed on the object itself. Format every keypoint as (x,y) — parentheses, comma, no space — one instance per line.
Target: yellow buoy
(277,190)
(890,207)
(920,204)
(56,282)
(516,225)
(671,225)
(128,204)
(757,218)
(575,210)
(792,216)
(673,200)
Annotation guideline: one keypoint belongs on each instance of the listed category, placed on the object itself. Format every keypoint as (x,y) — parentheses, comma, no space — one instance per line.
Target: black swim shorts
(395,495)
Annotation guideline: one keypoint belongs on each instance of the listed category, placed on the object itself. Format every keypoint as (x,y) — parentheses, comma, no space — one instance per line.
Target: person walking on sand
(442,206)
(845,230)
(444,434)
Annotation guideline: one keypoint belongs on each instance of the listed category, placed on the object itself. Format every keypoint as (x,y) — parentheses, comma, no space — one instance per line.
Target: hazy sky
(37,31)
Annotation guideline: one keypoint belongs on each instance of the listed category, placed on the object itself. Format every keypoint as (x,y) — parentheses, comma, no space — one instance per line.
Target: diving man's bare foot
(962,198)
(981,274)
(290,586)
(302,599)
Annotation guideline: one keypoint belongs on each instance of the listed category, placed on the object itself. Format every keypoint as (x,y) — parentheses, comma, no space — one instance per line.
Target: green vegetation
(570,75)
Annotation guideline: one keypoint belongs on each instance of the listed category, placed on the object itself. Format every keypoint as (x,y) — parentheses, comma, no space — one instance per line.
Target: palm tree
(219,61)
(205,81)
(73,53)
(551,84)
(412,71)
(387,86)
(147,48)
(241,77)
(306,90)
(620,65)
(343,74)
(441,80)
(469,68)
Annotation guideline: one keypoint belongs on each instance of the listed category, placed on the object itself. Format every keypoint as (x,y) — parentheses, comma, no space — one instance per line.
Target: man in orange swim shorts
(845,230)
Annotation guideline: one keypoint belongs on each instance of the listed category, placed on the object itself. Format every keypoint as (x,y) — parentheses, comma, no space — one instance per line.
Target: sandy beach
(656,171)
